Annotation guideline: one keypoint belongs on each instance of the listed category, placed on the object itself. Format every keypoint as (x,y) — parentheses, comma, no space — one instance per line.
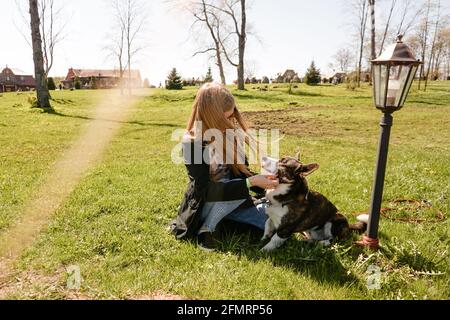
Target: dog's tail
(360,226)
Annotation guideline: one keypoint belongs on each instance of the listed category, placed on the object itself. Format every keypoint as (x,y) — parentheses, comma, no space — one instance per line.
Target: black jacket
(201,188)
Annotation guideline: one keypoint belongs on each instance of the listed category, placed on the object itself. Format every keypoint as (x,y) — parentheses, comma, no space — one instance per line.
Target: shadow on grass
(361,97)
(63,101)
(319,263)
(244,95)
(139,123)
(431,103)
(306,94)
(185,96)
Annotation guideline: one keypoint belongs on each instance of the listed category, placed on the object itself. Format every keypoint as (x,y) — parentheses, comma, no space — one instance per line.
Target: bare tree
(251,68)
(360,9)
(116,47)
(401,17)
(116,50)
(441,53)
(433,44)
(344,58)
(387,25)
(208,19)
(51,30)
(423,40)
(234,42)
(52,27)
(43,96)
(130,19)
(408,16)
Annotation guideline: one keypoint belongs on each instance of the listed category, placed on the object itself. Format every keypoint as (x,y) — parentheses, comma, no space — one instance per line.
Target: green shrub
(32,100)
(350,83)
(77,84)
(51,84)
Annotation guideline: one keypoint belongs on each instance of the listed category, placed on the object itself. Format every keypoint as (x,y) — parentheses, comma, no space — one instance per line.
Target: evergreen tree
(312,75)
(208,77)
(174,81)
(51,84)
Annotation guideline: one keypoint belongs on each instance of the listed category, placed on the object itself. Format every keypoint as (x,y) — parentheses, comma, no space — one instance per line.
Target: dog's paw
(267,249)
(266,237)
(325,243)
(274,243)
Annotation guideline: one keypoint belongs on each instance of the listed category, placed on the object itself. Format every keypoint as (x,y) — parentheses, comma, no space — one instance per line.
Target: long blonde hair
(210,105)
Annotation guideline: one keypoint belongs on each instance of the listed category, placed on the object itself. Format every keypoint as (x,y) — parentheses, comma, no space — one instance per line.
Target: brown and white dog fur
(294,208)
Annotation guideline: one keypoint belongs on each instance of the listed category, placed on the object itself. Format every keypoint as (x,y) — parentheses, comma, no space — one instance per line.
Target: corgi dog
(294,208)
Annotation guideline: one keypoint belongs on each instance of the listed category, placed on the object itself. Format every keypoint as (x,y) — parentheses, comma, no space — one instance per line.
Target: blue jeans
(254,216)
(214,213)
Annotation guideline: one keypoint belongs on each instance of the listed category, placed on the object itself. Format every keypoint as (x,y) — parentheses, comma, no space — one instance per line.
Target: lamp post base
(373,244)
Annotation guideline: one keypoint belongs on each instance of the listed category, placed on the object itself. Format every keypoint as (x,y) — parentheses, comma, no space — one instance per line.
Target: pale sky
(293,32)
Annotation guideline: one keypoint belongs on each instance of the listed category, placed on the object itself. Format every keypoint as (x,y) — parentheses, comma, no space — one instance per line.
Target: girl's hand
(264,181)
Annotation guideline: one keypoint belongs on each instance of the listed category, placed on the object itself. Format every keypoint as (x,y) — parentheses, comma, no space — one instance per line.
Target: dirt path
(110,114)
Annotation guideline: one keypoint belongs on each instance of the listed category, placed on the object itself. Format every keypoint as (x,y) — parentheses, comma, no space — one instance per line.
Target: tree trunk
(358,75)
(373,54)
(120,57)
(129,64)
(433,47)
(220,65)
(424,45)
(216,39)
(129,79)
(362,33)
(121,77)
(43,96)
(129,25)
(372,40)
(242,42)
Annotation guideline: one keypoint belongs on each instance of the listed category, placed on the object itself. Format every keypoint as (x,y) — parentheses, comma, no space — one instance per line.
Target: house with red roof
(15,80)
(101,79)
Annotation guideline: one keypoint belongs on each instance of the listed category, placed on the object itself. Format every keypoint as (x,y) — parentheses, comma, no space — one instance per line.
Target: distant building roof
(335,74)
(87,73)
(19,77)
(19,72)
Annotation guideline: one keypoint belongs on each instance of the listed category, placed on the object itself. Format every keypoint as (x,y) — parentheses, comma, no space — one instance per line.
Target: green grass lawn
(114,224)
(31,141)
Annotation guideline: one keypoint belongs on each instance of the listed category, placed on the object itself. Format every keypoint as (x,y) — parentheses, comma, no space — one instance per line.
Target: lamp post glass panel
(393,73)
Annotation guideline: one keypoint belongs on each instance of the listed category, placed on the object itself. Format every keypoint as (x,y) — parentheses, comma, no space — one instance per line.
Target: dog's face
(291,170)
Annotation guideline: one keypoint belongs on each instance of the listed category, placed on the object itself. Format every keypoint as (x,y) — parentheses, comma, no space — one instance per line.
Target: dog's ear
(306,170)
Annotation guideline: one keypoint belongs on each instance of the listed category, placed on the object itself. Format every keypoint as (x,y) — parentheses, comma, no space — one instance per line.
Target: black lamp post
(393,73)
